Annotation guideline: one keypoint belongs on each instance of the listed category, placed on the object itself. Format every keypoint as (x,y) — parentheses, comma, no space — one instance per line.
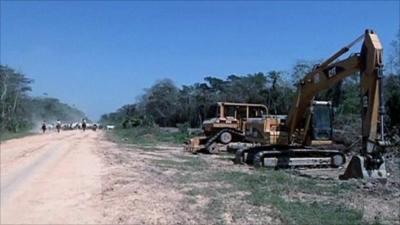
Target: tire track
(60,183)
(12,182)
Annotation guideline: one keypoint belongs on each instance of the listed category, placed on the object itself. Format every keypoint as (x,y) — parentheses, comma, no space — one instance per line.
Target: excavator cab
(321,121)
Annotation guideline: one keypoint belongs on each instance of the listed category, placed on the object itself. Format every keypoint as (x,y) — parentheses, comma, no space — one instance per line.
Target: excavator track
(284,157)
(246,155)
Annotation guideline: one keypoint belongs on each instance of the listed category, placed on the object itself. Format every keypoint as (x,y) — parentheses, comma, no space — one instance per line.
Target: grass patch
(214,210)
(5,135)
(265,187)
(317,213)
(268,187)
(148,136)
(292,196)
(279,179)
(184,163)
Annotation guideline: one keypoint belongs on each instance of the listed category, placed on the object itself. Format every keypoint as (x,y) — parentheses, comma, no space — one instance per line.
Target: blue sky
(99,55)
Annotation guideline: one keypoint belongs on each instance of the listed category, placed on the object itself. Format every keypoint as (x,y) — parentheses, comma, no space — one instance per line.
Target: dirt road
(80,177)
(51,178)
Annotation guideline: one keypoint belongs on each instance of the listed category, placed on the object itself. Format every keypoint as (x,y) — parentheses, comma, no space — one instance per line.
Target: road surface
(77,177)
(52,178)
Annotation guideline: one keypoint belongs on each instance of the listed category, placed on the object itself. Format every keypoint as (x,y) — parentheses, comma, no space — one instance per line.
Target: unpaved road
(51,178)
(77,177)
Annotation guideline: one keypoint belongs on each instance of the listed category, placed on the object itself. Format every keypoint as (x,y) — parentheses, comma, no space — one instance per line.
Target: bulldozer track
(215,137)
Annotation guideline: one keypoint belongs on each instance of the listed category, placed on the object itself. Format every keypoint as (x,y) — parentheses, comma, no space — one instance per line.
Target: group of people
(58,125)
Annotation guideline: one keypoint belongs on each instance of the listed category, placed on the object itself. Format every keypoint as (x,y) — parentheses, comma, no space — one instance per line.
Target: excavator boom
(320,79)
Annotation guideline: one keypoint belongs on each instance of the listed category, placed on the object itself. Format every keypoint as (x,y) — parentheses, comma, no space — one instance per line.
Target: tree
(279,93)
(13,89)
(392,83)
(300,69)
(392,93)
(394,56)
(18,110)
(161,102)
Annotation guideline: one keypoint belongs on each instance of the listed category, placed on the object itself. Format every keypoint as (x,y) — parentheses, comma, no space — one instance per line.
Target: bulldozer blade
(357,169)
(195,144)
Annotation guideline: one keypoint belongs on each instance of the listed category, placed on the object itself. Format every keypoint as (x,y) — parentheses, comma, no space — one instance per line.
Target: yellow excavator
(304,137)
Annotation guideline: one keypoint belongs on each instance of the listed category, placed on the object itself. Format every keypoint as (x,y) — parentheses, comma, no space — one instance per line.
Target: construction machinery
(227,124)
(304,137)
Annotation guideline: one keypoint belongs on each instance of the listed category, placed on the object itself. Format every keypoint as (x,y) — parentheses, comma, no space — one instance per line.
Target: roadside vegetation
(20,112)
(209,189)
(11,135)
(220,192)
(262,188)
(150,135)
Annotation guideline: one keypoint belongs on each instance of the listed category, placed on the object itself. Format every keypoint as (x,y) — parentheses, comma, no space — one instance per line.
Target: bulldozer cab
(230,115)
(213,112)
(236,110)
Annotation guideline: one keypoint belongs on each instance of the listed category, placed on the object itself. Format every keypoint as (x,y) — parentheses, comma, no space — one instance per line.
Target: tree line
(20,111)
(166,104)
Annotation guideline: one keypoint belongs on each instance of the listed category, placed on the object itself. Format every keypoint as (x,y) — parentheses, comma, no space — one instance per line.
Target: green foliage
(392,84)
(183,127)
(6,135)
(394,56)
(150,135)
(350,102)
(167,105)
(301,68)
(263,188)
(392,95)
(160,102)
(13,91)
(19,112)
(51,109)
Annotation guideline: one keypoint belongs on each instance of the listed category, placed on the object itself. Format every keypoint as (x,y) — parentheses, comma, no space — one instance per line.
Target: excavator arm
(369,63)
(320,79)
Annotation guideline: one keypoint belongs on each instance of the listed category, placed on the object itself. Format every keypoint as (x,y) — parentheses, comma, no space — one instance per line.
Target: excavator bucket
(357,169)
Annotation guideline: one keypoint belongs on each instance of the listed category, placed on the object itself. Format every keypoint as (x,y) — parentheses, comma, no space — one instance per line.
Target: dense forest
(165,104)
(21,112)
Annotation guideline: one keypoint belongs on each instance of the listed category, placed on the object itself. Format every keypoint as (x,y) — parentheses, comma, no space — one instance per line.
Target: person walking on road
(58,126)
(44,126)
(83,124)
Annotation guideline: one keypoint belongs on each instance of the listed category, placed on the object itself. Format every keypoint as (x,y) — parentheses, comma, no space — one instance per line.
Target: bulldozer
(304,137)
(227,124)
